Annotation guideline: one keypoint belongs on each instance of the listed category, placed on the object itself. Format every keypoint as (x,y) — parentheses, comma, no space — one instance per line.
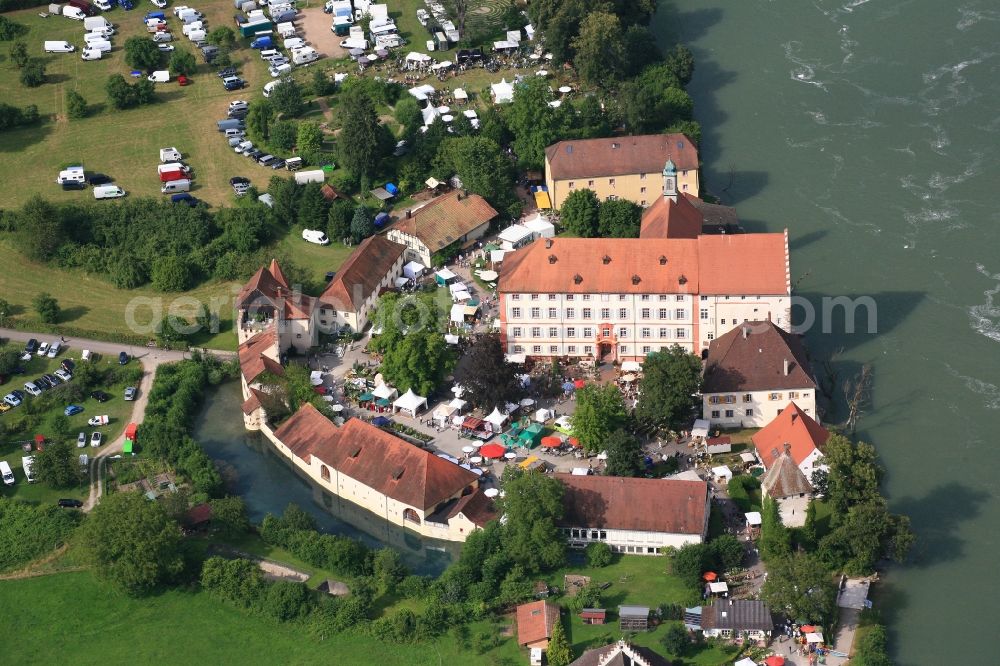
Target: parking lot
(315,25)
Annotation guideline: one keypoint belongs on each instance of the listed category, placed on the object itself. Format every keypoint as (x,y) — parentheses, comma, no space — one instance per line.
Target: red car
(183,80)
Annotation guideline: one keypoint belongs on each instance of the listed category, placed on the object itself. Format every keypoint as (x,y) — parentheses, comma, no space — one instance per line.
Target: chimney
(552,259)
(788,448)
(774,452)
(663,260)
(606,259)
(465,193)
(409,213)
(459,197)
(785,366)
(746,332)
(548,243)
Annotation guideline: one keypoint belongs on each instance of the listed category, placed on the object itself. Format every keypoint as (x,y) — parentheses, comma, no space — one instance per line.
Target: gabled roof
(256,355)
(262,283)
(376,458)
(714,214)
(784,478)
(750,264)
(535,621)
(271,285)
(477,507)
(620,155)
(620,654)
(645,505)
(278,274)
(667,218)
(446,219)
(362,273)
(793,427)
(253,403)
(752,357)
(737,614)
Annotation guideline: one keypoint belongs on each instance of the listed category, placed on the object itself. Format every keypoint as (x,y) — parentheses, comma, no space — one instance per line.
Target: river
(267,482)
(869,129)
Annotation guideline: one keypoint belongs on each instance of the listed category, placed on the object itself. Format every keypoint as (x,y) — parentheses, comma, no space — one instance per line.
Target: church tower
(670,180)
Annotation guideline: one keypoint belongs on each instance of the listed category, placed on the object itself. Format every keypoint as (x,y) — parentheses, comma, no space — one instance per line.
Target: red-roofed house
(453,219)
(353,292)
(259,355)
(268,299)
(637,516)
(803,435)
(535,622)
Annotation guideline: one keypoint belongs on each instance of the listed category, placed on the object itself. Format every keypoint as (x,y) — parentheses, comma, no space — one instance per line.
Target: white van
(6,473)
(188,27)
(96,23)
(91,37)
(267,54)
(85,355)
(162,37)
(27,462)
(103,5)
(108,192)
(73,13)
(31,388)
(172,166)
(59,47)
(91,54)
(159,76)
(170,155)
(104,46)
(182,185)
(294,43)
(197,35)
(107,33)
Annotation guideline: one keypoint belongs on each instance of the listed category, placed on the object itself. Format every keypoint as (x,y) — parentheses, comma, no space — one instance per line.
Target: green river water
(869,129)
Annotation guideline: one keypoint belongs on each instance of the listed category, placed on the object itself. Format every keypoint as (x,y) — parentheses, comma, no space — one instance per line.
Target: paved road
(150,360)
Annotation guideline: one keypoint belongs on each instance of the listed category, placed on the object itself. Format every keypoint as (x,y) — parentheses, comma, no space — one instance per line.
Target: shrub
(33,73)
(28,531)
(599,555)
(76,105)
(46,307)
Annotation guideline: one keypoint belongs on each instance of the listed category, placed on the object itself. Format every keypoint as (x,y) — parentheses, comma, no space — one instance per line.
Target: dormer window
(577,279)
(636,279)
(552,259)
(606,260)
(663,260)
(682,279)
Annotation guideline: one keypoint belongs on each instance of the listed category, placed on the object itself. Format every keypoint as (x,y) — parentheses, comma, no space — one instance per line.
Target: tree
(287,98)
(531,504)
(19,54)
(599,412)
(727,551)
(46,307)
(130,541)
(322,84)
(558,652)
(171,273)
(482,167)
(680,63)
(362,224)
(419,362)
(283,134)
(338,225)
(313,207)
(873,649)
(800,587)
(388,568)
(183,62)
(10,360)
(775,541)
(532,121)
(229,516)
(58,465)
(654,100)
(854,474)
(676,640)
(624,454)
(142,53)
(600,49)
(483,371)
(119,92)
(670,380)
(309,140)
(619,218)
(260,115)
(10,30)
(223,37)
(40,229)
(690,562)
(359,136)
(865,535)
(76,105)
(579,213)
(599,555)
(33,73)
(407,113)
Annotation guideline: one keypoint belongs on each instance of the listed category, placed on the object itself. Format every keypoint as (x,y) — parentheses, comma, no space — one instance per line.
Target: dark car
(98,179)
(68,365)
(267,160)
(183,197)
(277,163)
(43,383)
(122,358)
(100,396)
(237,114)
(31,346)
(228,71)
(70,503)
(74,185)
(255,155)
(233,83)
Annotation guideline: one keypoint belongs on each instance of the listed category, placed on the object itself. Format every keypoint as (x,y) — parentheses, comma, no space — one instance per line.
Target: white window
(515,297)
(622,313)
(662,313)
(536,313)
(588,332)
(645,333)
(622,349)
(537,349)
(642,176)
(645,313)
(518,349)
(642,190)
(711,336)
(569,297)
(729,414)
(553,349)
(623,332)
(663,297)
(553,297)
(704,298)
(680,313)
(748,412)
(516,331)
(587,313)
(553,332)
(644,297)
(553,313)
(681,333)
(571,332)
(588,349)
(681,298)
(622,297)
(515,313)
(664,333)
(571,349)
(534,297)
(570,313)
(605,313)
(715,413)
(646,349)
(723,322)
(586,297)
(571,184)
(536,332)
(704,313)
(611,181)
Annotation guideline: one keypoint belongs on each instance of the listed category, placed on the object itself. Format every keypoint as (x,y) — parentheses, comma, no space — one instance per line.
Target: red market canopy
(807,629)
(575,443)
(579,383)
(551,442)
(775,660)
(710,576)
(472,423)
(492,450)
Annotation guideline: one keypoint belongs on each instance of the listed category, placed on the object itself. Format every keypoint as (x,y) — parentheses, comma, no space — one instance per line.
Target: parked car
(167,48)
(14,398)
(122,358)
(183,80)
(277,164)
(72,410)
(130,392)
(53,380)
(32,388)
(54,350)
(315,236)
(159,3)
(43,349)
(63,375)
(232,83)
(227,72)
(70,503)
(31,346)
(95,438)
(183,197)
(269,86)
(98,420)
(81,440)
(100,396)
(98,179)
(240,185)
(68,365)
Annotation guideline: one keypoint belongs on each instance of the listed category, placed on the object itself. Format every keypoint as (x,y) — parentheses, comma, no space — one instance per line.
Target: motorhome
(71,174)
(27,462)
(6,473)
(305,55)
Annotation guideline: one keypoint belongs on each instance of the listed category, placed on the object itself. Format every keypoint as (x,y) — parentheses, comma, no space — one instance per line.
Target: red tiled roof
(362,273)
(253,403)
(477,507)
(648,505)
(271,285)
(620,654)
(376,458)
(446,219)
(329,193)
(263,282)
(667,218)
(198,514)
(752,356)
(794,427)
(619,156)
(748,264)
(253,360)
(535,621)
(278,274)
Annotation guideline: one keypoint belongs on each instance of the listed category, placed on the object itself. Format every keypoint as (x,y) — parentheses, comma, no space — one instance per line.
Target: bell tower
(670,181)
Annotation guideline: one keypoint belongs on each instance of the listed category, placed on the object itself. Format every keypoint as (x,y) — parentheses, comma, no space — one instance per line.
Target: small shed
(334,588)
(633,618)
(719,444)
(593,615)
(722,473)
(198,515)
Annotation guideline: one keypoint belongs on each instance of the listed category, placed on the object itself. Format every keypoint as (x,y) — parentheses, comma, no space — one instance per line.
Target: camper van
(59,47)
(73,174)
(304,55)
(182,185)
(313,176)
(27,462)
(6,473)
(108,192)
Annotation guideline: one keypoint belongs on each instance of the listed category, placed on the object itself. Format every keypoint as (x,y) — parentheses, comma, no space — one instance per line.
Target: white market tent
(461,94)
(513,235)
(456,287)
(413,270)
(409,402)
(746,661)
(504,45)
(631,366)
(429,114)
(400,281)
(718,588)
(451,339)
(754,518)
(385,392)
(442,413)
(416,56)
(514,36)
(496,256)
(539,226)
(748,457)
(470,114)
(445,275)
(814,637)
(543,415)
(457,390)
(503,92)
(315,377)
(458,404)
(421,92)
(496,419)
(460,296)
(515,358)
(722,472)
(700,428)
(458,313)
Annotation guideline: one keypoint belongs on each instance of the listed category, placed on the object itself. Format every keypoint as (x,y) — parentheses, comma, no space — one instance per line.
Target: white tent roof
(457,286)
(421,92)
(461,94)
(722,471)
(754,518)
(631,366)
(542,415)
(496,417)
(458,313)
(458,403)
(700,428)
(503,91)
(461,295)
(496,256)
(413,269)
(514,36)
(814,637)
(415,56)
(718,588)
(746,661)
(429,114)
(514,233)
(515,358)
(748,457)
(443,411)
(469,113)
(505,44)
(445,274)
(315,377)
(400,281)
(451,339)
(410,401)
(384,391)
(539,225)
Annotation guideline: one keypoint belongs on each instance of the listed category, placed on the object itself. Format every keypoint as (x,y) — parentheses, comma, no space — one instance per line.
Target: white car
(159,3)
(95,439)
(81,440)
(165,47)
(63,375)
(43,349)
(315,236)
(269,86)
(178,10)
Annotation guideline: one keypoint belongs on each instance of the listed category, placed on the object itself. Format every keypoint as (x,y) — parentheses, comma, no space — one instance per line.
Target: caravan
(27,462)
(5,471)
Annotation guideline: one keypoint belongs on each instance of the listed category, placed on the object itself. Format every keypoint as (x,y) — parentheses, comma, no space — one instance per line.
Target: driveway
(315,26)
(150,359)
